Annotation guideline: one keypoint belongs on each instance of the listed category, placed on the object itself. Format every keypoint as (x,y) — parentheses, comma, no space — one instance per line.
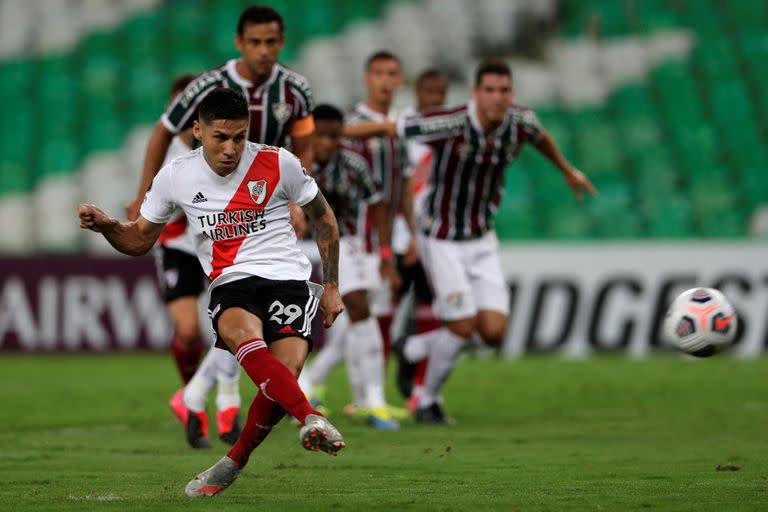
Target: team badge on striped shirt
(282,112)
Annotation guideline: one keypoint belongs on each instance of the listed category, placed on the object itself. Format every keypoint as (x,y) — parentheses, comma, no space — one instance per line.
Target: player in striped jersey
(262,304)
(472,146)
(280,99)
(391,170)
(344,176)
(414,311)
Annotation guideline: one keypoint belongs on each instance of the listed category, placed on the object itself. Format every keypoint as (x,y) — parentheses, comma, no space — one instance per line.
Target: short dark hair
(258,14)
(492,67)
(180,83)
(429,74)
(223,103)
(327,112)
(380,55)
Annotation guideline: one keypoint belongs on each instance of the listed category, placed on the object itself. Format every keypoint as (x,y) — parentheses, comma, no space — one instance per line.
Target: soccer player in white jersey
(262,304)
(344,176)
(472,146)
(280,103)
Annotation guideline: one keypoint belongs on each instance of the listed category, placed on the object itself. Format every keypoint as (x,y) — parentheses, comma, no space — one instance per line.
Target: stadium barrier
(576,299)
(573,299)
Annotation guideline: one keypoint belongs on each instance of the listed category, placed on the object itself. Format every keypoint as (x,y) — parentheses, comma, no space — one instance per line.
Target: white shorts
(465,275)
(356,269)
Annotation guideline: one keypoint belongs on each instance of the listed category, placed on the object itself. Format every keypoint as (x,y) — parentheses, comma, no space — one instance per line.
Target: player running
(262,304)
(414,310)
(391,171)
(472,146)
(344,177)
(281,104)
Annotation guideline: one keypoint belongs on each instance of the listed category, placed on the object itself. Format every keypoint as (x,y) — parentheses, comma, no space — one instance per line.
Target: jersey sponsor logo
(258,190)
(199,198)
(281,111)
(232,224)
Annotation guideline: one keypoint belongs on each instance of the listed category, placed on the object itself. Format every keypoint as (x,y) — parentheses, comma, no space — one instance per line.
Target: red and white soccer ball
(701,322)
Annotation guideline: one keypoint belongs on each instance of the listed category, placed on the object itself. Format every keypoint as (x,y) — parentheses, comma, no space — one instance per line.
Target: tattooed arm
(327,233)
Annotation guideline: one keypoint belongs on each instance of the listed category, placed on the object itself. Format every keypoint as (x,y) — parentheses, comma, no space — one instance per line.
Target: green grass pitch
(94,433)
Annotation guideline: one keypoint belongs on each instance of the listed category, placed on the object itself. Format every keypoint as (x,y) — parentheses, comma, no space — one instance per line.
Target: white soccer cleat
(213,480)
(319,434)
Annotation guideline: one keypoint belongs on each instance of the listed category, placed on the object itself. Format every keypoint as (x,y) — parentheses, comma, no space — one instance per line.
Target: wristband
(385,252)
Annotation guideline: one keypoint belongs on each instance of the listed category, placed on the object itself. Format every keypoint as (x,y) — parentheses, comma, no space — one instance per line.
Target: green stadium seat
(16,75)
(567,223)
(747,15)
(670,219)
(58,156)
(146,89)
(722,224)
(514,222)
(140,41)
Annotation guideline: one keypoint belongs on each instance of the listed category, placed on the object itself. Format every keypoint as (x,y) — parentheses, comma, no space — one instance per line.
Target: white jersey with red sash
(241,222)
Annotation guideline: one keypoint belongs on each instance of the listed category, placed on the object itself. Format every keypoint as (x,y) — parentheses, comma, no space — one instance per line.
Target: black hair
(223,103)
(180,83)
(429,74)
(380,55)
(258,14)
(326,112)
(494,67)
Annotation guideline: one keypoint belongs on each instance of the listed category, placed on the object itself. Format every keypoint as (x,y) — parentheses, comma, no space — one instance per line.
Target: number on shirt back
(291,312)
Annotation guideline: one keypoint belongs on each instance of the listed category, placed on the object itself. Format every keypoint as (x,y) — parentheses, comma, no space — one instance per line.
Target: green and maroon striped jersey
(274,105)
(467,180)
(389,158)
(347,184)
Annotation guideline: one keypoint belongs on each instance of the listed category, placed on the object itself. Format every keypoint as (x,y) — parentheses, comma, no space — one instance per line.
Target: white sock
(417,345)
(443,353)
(329,357)
(365,358)
(198,389)
(228,377)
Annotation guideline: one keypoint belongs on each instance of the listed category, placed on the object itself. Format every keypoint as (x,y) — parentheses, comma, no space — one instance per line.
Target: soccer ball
(701,322)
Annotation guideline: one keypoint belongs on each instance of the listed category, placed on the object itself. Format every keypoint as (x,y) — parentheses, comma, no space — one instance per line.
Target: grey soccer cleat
(213,480)
(318,434)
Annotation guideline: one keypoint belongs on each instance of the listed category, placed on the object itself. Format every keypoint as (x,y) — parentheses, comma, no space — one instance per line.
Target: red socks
(275,381)
(262,416)
(187,357)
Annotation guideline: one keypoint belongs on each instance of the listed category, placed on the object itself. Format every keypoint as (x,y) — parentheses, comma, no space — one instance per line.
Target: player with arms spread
(472,146)
(262,305)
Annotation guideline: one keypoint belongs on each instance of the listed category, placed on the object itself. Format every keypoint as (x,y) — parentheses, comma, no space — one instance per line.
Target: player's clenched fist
(330,304)
(93,218)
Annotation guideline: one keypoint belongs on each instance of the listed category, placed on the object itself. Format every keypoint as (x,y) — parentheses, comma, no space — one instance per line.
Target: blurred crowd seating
(679,151)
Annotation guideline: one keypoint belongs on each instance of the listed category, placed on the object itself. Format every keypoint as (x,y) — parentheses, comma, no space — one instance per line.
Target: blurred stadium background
(661,102)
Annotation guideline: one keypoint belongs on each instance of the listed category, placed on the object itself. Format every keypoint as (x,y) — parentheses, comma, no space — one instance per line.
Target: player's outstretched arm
(370,129)
(327,232)
(132,238)
(574,178)
(157,148)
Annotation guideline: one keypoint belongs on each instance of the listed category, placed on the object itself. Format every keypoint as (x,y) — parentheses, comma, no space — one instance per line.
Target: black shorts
(286,308)
(180,274)
(416,276)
